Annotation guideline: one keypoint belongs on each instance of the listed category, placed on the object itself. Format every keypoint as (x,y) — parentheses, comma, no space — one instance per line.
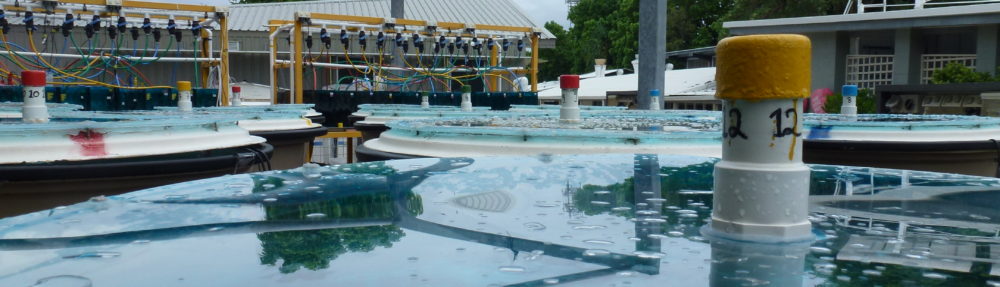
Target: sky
(539,10)
(546,10)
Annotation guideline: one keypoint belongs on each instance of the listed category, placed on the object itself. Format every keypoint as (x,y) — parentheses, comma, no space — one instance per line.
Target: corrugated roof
(253,17)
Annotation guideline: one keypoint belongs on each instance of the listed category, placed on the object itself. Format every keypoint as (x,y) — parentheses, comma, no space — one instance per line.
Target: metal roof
(703,51)
(930,17)
(253,17)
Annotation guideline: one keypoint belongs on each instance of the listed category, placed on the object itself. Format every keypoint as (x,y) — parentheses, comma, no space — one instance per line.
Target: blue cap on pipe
(849,91)
(654,93)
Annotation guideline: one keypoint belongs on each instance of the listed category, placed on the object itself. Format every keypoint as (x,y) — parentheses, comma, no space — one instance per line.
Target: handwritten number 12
(779,131)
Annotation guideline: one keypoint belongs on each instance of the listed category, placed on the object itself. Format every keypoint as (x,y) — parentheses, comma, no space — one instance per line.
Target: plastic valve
(134,33)
(324,36)
(196,28)
(67,25)
(363,39)
(147,26)
(156,34)
(171,26)
(121,25)
(3,22)
(29,21)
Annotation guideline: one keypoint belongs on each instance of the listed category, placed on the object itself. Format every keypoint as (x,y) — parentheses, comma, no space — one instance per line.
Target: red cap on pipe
(33,78)
(569,82)
(236,89)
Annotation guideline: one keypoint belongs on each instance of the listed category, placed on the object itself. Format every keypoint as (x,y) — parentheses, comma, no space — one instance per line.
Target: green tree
(957,73)
(556,59)
(768,9)
(625,44)
(866,102)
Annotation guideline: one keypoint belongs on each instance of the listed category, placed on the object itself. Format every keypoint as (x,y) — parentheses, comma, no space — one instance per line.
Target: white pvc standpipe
(569,111)
(184,96)
(34,109)
(235,99)
(425,101)
(272,49)
(466,98)
(654,101)
(761,185)
(849,106)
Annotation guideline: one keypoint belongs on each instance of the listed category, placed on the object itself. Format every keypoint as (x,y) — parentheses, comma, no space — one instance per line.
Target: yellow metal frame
(223,29)
(299,25)
(349,134)
(272,25)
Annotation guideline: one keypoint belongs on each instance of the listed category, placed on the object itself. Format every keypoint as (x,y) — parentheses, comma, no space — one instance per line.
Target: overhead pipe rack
(150,10)
(304,20)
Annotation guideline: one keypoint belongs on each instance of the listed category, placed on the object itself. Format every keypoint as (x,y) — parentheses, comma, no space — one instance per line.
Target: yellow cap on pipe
(763,67)
(183,86)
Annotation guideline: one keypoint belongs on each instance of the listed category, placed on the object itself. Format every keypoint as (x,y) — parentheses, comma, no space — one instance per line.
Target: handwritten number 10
(779,131)
(34,94)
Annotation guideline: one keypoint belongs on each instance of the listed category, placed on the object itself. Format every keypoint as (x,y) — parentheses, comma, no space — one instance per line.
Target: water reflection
(757,264)
(588,220)
(314,249)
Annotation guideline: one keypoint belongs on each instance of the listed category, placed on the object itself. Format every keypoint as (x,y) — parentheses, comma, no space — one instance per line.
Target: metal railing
(861,6)
(931,62)
(869,71)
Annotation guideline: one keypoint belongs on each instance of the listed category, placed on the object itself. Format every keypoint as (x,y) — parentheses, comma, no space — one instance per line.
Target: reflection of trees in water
(897,275)
(315,249)
(672,182)
(376,168)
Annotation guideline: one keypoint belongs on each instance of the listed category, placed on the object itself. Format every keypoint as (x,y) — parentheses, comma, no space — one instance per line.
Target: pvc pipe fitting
(761,184)
(425,101)
(569,112)
(849,105)
(34,109)
(654,101)
(184,96)
(236,100)
(466,98)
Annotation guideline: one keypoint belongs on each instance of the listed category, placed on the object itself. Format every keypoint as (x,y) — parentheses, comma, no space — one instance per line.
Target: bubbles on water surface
(598,242)
(535,226)
(512,269)
(596,252)
(64,281)
(315,215)
(94,254)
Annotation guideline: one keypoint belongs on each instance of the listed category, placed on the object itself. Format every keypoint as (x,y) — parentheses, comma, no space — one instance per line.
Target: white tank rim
(276,124)
(917,128)
(389,142)
(57,145)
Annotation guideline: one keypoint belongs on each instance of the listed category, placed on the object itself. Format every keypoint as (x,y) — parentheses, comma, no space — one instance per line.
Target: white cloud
(546,10)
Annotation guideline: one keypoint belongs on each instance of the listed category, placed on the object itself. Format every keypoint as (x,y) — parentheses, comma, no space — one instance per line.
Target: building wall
(829,52)
(906,56)
(988,48)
